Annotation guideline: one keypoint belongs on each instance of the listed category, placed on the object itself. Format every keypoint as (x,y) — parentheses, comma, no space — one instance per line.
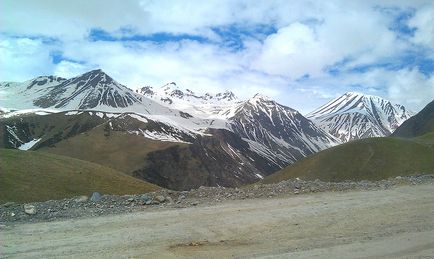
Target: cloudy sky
(302,53)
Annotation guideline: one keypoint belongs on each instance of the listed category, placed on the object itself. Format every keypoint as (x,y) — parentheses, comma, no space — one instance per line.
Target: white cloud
(68,69)
(23,58)
(293,51)
(410,87)
(310,36)
(423,21)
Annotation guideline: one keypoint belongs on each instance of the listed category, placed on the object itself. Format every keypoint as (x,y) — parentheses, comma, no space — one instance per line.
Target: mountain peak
(44,80)
(260,97)
(95,78)
(169,87)
(354,94)
(364,96)
(226,95)
(95,72)
(355,115)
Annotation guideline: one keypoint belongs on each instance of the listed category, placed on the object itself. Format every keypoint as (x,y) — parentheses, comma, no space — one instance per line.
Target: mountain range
(408,151)
(176,138)
(355,116)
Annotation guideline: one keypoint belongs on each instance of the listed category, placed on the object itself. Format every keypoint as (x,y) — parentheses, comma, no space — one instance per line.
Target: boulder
(96,196)
(29,209)
(82,198)
(145,198)
(159,198)
(169,200)
(8,204)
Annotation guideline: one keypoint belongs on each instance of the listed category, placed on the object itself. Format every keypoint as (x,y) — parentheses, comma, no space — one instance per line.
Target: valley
(181,140)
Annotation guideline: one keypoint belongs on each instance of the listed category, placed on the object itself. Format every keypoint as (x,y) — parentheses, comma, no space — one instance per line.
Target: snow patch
(259,176)
(29,145)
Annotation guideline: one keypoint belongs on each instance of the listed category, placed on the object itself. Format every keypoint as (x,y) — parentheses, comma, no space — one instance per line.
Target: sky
(300,53)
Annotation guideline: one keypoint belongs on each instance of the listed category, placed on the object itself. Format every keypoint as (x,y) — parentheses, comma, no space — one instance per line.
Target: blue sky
(302,53)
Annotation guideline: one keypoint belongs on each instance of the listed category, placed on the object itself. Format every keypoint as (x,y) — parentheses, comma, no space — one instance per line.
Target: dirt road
(387,223)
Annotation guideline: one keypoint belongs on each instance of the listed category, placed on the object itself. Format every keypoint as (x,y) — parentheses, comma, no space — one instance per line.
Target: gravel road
(397,222)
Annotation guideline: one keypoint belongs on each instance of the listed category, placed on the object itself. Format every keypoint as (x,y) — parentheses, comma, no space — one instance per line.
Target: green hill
(27,176)
(419,124)
(367,159)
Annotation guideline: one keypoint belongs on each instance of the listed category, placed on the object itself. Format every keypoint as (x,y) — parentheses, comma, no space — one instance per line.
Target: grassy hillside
(36,176)
(119,150)
(367,159)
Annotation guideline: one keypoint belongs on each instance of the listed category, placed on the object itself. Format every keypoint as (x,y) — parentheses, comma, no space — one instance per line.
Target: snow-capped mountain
(280,133)
(355,116)
(92,90)
(181,139)
(206,106)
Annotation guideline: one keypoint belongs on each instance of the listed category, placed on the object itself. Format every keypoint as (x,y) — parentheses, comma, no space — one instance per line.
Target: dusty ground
(385,223)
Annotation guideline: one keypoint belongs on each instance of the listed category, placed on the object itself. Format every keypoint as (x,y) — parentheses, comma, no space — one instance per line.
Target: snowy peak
(262,103)
(354,115)
(89,90)
(45,80)
(227,96)
(259,98)
(92,90)
(357,102)
(172,90)
(94,78)
(206,106)
(262,97)
(279,132)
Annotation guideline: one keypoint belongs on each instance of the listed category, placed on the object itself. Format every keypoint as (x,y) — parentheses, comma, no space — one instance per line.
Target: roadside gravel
(98,205)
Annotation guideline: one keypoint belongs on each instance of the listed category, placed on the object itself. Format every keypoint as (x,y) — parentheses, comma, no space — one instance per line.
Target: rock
(145,199)
(159,198)
(96,196)
(29,209)
(195,203)
(130,199)
(82,198)
(12,214)
(8,204)
(296,191)
(169,200)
